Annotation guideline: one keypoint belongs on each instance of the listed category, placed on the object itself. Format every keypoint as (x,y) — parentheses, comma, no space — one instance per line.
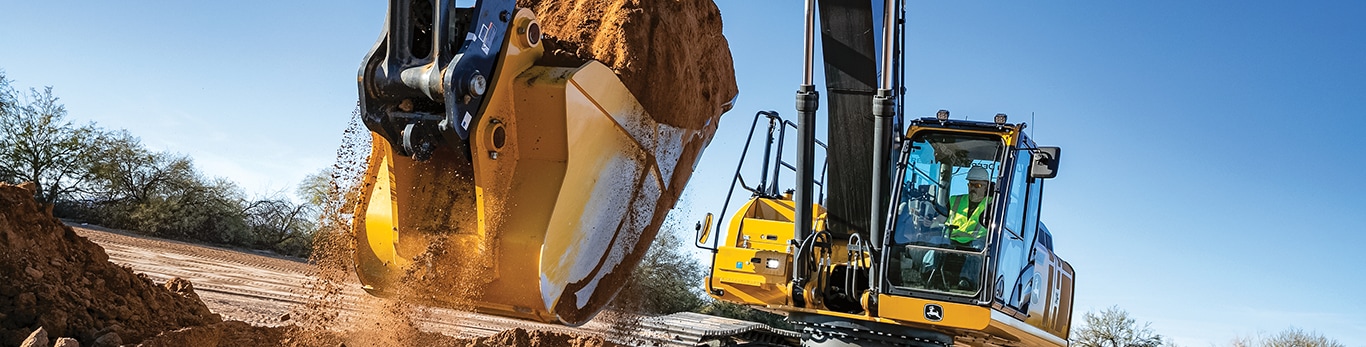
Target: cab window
(943,212)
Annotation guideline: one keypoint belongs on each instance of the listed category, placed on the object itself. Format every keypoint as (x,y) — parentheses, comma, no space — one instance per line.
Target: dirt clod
(66,342)
(110,339)
(36,339)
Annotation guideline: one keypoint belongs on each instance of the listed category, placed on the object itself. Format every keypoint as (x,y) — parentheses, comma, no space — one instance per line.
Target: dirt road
(261,288)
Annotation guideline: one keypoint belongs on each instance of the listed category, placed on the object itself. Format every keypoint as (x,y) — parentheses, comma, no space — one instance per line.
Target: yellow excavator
(499,182)
(517,186)
(930,233)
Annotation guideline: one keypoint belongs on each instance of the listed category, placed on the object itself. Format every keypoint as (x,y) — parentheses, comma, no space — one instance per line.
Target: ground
(264,289)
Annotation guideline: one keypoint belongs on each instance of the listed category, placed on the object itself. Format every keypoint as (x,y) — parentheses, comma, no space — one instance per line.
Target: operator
(966,230)
(966,210)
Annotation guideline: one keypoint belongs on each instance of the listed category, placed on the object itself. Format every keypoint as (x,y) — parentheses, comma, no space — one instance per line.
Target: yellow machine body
(762,230)
(544,219)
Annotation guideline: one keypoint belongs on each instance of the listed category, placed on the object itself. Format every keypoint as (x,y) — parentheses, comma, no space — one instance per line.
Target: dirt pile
(670,54)
(54,279)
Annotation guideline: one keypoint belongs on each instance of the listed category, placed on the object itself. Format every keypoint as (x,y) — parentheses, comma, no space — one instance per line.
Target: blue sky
(1207,183)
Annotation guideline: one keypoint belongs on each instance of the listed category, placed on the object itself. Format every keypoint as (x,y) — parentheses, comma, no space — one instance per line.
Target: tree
(666,280)
(38,144)
(1291,337)
(162,194)
(316,189)
(9,100)
(128,172)
(1114,327)
(282,225)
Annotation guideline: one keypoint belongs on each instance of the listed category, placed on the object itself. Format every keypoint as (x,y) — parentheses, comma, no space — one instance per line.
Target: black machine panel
(847,38)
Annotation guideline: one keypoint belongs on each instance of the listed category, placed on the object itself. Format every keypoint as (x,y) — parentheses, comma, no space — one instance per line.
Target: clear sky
(1207,181)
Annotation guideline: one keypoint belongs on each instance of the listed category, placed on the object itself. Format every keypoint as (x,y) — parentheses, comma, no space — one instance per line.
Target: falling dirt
(53,279)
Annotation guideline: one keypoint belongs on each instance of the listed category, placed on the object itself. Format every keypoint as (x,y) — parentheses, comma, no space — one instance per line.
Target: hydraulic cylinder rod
(883,109)
(807,104)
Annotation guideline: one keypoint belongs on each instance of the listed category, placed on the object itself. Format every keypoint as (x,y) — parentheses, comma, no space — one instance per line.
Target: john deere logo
(934,313)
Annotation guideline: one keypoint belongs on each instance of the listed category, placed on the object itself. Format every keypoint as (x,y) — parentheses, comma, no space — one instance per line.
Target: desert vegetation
(108,177)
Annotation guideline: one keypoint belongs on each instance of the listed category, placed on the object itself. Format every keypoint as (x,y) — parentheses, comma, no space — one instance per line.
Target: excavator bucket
(536,202)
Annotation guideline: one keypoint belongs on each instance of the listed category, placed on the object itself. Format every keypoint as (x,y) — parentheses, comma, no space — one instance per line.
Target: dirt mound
(54,279)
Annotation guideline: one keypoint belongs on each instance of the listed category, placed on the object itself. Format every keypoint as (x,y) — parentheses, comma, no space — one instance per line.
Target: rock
(27,299)
(182,287)
(108,329)
(37,339)
(66,342)
(35,273)
(108,340)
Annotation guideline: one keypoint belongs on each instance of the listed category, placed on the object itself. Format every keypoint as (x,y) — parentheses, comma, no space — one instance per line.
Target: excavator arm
(497,181)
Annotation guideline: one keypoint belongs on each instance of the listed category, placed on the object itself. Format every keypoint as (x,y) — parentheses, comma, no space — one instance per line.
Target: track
(261,288)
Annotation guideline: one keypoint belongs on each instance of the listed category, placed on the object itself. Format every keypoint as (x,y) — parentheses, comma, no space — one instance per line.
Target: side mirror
(1045,162)
(704,231)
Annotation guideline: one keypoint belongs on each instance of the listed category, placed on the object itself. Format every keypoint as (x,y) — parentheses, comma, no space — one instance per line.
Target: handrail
(773,160)
(824,166)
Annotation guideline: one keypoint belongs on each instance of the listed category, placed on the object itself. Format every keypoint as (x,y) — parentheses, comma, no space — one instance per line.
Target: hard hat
(977,173)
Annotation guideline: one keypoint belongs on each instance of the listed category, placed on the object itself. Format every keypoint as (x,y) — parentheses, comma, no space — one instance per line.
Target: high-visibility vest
(968,228)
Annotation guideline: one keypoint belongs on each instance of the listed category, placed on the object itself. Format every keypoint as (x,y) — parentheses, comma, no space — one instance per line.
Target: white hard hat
(977,173)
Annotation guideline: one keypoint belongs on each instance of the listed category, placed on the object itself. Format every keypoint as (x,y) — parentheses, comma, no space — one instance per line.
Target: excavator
(529,188)
(930,234)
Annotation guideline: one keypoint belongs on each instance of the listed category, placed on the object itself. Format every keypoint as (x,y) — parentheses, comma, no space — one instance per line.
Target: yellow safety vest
(968,228)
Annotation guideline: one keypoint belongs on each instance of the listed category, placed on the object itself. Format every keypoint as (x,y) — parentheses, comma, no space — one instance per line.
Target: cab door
(1014,268)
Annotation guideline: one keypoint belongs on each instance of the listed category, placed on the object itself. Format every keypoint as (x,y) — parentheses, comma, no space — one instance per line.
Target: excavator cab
(964,234)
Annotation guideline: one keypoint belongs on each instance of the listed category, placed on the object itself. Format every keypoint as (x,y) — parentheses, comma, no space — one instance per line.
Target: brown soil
(233,333)
(670,54)
(260,289)
(52,278)
(65,284)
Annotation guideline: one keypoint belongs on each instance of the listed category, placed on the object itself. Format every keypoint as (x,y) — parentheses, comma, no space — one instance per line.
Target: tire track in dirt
(259,289)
